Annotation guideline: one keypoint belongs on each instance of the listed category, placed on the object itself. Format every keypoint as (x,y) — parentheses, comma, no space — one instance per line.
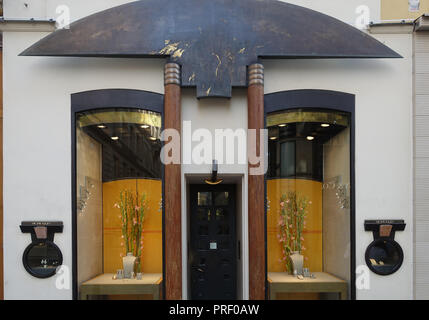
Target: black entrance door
(213,250)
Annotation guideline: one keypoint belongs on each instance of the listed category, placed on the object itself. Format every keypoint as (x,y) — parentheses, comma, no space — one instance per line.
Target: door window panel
(221,214)
(204,198)
(221,198)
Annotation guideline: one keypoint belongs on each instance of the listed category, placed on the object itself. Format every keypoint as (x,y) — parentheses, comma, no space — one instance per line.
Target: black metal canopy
(213,40)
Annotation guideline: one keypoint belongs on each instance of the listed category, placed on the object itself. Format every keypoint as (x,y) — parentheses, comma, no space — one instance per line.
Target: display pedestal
(105,285)
(281,282)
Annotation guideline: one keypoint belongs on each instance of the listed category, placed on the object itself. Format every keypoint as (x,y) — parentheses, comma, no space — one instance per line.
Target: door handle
(198,269)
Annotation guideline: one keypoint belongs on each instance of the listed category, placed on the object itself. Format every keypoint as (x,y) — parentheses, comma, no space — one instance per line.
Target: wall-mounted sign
(384,256)
(42,257)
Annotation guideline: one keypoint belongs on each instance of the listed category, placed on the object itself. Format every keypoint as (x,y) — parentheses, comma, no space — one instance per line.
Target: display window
(118,203)
(308,203)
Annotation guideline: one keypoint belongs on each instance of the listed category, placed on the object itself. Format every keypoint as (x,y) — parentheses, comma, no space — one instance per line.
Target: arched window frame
(105,99)
(324,100)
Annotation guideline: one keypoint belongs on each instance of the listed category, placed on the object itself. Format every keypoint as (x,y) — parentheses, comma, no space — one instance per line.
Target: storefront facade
(340,135)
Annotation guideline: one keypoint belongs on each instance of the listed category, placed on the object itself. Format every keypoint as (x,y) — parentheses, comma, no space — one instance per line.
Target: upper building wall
(400,9)
(46,9)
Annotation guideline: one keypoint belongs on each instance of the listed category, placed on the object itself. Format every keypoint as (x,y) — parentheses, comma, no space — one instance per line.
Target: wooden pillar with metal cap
(172,188)
(256,192)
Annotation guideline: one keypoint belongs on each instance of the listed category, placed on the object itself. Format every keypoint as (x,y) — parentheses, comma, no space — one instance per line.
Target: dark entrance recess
(213,249)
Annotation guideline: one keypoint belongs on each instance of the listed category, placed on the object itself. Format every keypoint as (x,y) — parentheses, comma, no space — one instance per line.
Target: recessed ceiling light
(145,126)
(282,125)
(325,125)
(102,126)
(273,138)
(310,138)
(114,138)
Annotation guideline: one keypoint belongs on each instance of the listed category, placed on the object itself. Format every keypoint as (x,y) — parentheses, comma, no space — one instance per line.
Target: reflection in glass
(288,159)
(204,198)
(221,214)
(221,198)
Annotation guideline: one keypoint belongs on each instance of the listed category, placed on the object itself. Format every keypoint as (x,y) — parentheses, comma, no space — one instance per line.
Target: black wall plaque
(384,256)
(42,257)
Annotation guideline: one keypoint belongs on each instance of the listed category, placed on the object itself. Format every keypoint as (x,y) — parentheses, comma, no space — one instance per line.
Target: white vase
(297,262)
(129,260)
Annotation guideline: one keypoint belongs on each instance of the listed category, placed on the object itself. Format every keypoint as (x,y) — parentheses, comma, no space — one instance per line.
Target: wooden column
(172,189)
(256,196)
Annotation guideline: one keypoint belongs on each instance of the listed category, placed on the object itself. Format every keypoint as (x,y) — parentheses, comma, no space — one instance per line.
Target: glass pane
(221,214)
(203,230)
(223,230)
(224,244)
(308,191)
(119,191)
(288,159)
(204,198)
(203,214)
(221,198)
(203,245)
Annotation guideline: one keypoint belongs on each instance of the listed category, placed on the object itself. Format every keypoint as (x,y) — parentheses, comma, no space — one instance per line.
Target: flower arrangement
(133,208)
(293,210)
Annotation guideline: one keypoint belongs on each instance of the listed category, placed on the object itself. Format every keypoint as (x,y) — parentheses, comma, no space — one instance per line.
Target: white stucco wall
(46,9)
(37,141)
(37,145)
(384,160)
(347,11)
